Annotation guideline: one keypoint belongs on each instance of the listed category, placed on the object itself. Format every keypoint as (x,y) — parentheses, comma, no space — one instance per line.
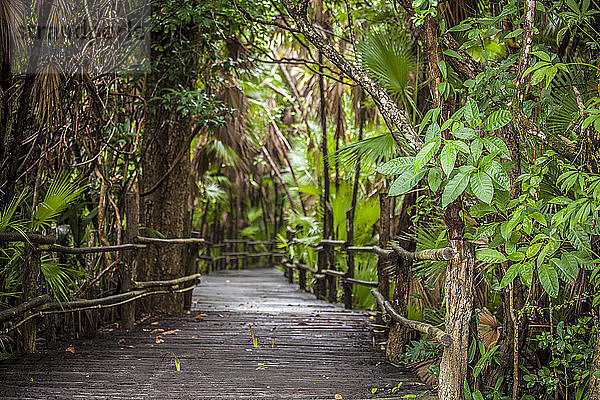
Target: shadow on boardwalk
(307,349)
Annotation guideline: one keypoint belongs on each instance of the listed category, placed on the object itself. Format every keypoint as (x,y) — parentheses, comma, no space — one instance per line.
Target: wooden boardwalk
(307,349)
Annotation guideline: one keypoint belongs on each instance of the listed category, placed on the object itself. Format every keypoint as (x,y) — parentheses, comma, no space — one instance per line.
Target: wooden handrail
(147,240)
(443,254)
(436,333)
(27,237)
(88,250)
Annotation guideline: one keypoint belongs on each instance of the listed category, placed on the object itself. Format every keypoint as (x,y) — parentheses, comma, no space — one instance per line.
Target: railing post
(349,258)
(319,285)
(384,233)
(246,253)
(132,214)
(30,283)
(332,280)
(289,236)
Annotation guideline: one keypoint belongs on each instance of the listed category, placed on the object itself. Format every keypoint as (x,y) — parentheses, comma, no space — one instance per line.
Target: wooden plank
(307,350)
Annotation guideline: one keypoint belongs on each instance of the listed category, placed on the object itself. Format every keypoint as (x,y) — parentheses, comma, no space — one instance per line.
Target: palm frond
(387,57)
(370,151)
(7,213)
(61,193)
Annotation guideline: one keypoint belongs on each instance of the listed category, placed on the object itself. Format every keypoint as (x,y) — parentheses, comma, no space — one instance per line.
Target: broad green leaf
(471,109)
(424,155)
(534,249)
(403,183)
(497,120)
(486,230)
(397,166)
(482,186)
(490,256)
(434,178)
(454,188)
(526,273)
(539,218)
(517,256)
(476,148)
(567,266)
(548,279)
(514,220)
(452,53)
(448,158)
(464,133)
(495,144)
(479,210)
(510,275)
(498,174)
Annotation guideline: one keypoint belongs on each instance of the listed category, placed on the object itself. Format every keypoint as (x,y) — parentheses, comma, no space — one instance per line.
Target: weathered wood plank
(307,349)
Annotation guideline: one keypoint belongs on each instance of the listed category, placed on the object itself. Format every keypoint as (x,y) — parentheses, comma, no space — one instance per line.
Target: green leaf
(477,395)
(452,53)
(397,166)
(497,120)
(424,155)
(549,279)
(454,188)
(533,249)
(490,256)
(498,174)
(476,148)
(448,158)
(526,273)
(539,218)
(514,220)
(510,275)
(495,144)
(567,266)
(479,210)
(482,186)
(434,178)
(464,133)
(403,183)
(486,230)
(471,109)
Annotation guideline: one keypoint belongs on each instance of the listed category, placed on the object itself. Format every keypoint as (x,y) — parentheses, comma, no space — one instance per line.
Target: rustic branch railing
(231,252)
(436,333)
(394,255)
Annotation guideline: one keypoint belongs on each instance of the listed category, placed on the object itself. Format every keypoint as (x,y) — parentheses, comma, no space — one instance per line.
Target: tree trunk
(398,336)
(458,296)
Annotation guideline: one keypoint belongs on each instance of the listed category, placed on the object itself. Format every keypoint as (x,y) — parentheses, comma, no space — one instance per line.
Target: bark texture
(459,306)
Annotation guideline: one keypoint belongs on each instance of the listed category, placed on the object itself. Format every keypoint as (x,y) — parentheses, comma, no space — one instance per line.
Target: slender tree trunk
(398,336)
(458,296)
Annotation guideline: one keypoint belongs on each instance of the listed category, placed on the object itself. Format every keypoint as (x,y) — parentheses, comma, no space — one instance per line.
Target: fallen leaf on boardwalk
(203,315)
(155,323)
(70,349)
(173,332)
(121,341)
(157,330)
(159,339)
(318,335)
(199,318)
(302,323)
(338,396)
(227,281)
(196,337)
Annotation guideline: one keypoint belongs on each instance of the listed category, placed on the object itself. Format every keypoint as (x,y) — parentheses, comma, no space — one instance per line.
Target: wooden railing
(236,253)
(327,275)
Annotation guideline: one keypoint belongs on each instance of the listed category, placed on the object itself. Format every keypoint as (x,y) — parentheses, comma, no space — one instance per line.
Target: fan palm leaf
(387,57)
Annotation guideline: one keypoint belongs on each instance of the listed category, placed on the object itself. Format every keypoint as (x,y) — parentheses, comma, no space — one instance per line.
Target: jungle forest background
(480,120)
